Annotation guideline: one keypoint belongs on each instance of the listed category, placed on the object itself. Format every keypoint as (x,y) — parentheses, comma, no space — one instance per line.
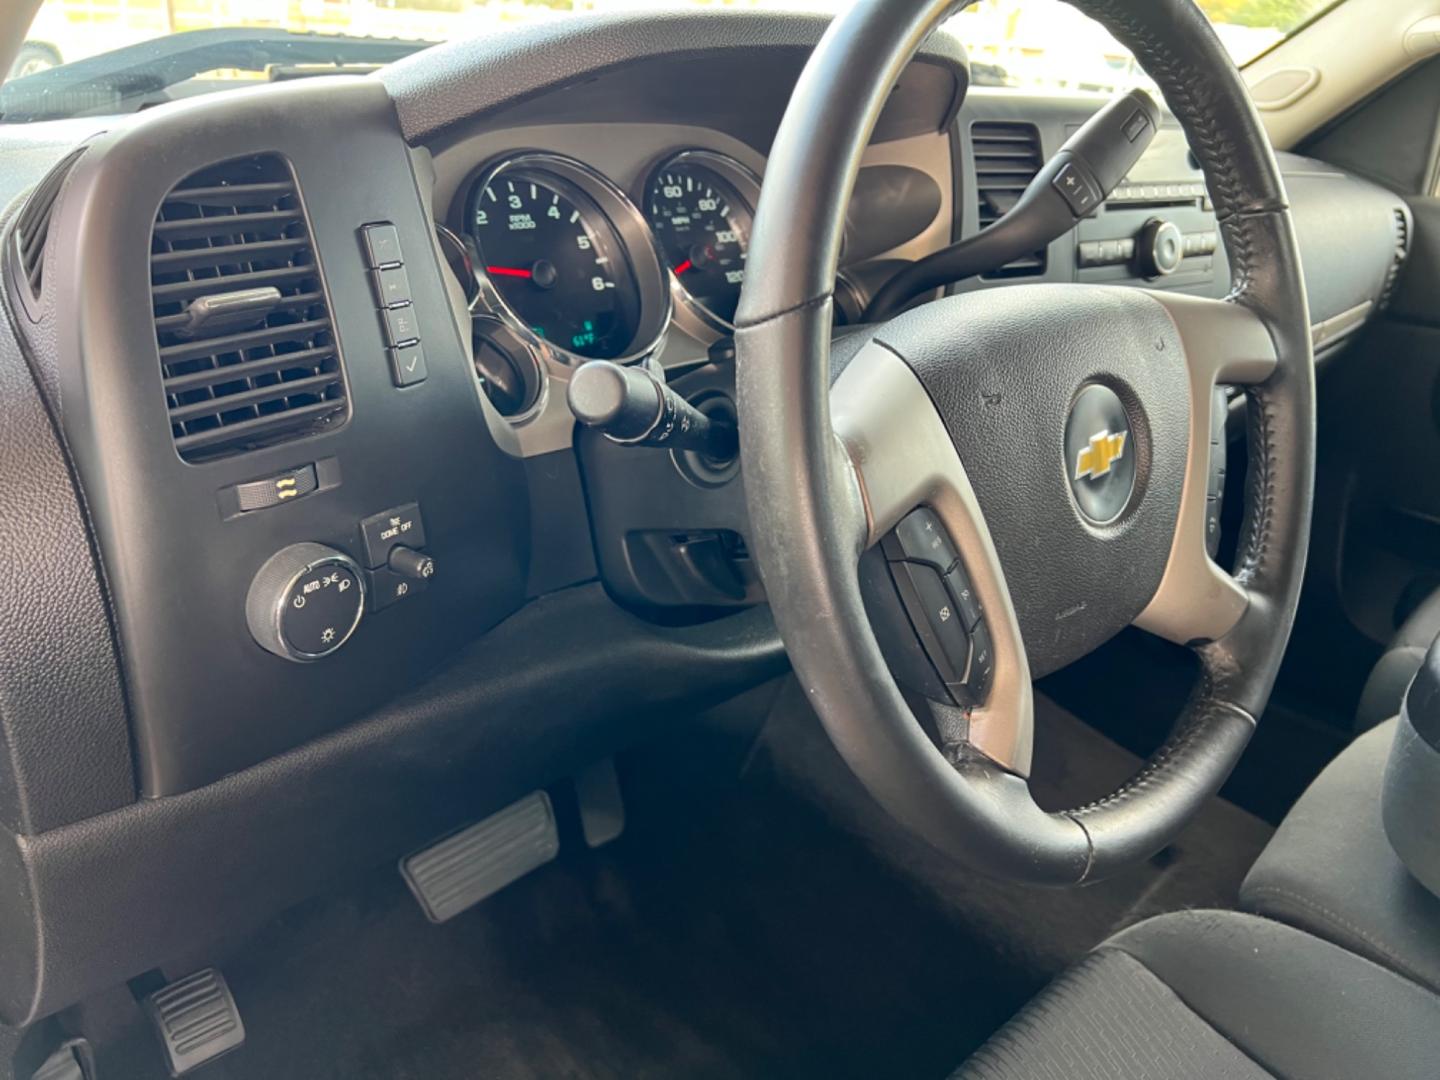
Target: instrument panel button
(401,325)
(407,365)
(392,286)
(388,587)
(274,490)
(382,533)
(382,245)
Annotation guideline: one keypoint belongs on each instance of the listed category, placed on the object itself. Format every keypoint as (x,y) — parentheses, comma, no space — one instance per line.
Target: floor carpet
(758,918)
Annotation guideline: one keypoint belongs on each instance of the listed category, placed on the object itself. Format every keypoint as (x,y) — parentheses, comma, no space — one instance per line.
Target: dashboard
(314,557)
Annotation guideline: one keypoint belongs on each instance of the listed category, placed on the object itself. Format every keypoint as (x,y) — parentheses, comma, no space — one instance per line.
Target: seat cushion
(1219,994)
(1329,869)
(1389,679)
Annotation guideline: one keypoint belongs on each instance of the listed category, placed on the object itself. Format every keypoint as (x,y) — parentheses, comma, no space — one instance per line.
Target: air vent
(1007,157)
(1402,251)
(247,348)
(32,225)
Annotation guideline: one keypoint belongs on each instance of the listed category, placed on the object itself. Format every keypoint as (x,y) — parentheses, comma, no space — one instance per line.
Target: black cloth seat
(1330,870)
(1391,675)
(1219,995)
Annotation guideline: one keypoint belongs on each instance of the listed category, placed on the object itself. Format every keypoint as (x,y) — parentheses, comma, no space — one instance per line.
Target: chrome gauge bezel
(689,310)
(652,278)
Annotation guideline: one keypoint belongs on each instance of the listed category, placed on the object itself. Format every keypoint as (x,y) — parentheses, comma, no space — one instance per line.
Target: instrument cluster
(558,256)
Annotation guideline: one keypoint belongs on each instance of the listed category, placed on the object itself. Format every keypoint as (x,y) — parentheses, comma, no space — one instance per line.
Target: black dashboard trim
(501,720)
(450,85)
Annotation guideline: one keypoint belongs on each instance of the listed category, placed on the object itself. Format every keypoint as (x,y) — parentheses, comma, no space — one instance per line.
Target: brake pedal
(196,1019)
(463,869)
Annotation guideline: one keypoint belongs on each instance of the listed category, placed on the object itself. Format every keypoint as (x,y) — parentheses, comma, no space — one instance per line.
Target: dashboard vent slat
(261,373)
(1007,156)
(32,224)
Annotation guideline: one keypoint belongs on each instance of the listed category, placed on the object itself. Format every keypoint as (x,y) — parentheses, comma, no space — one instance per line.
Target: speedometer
(564,257)
(701,207)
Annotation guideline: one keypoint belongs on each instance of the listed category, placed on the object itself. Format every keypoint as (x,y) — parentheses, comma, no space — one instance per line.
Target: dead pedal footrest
(196,1020)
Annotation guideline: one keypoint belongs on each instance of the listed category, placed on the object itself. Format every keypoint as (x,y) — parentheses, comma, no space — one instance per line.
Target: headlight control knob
(305,602)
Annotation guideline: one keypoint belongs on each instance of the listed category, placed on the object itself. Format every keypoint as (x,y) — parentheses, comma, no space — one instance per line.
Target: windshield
(92,57)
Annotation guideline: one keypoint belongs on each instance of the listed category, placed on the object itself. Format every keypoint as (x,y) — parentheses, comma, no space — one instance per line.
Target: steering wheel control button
(305,602)
(407,365)
(382,533)
(276,490)
(1099,454)
(382,245)
(1077,187)
(968,604)
(1215,480)
(982,662)
(937,619)
(392,286)
(921,538)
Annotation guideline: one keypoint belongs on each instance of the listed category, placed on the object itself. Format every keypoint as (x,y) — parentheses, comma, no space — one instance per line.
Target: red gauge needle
(509,271)
(686,265)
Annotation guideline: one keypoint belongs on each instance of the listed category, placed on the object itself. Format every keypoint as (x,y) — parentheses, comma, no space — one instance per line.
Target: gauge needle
(509,271)
(686,265)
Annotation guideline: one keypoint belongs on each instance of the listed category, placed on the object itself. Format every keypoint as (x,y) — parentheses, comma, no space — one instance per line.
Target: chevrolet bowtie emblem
(1095,460)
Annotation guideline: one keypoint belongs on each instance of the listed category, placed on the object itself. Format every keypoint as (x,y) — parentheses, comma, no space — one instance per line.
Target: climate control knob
(305,602)
(1161,247)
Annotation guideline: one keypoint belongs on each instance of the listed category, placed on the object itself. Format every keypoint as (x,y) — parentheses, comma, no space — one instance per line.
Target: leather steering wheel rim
(814,506)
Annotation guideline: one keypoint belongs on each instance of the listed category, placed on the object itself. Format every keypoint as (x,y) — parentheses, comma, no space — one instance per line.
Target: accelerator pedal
(466,867)
(196,1020)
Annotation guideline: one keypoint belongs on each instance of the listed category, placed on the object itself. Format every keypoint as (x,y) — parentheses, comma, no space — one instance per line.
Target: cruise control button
(964,595)
(921,538)
(941,619)
(982,661)
(382,245)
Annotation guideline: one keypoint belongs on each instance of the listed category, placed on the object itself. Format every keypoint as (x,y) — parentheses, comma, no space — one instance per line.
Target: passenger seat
(1385,688)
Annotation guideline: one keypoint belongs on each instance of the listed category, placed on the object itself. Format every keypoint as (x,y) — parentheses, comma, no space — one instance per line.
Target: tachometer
(566,257)
(700,206)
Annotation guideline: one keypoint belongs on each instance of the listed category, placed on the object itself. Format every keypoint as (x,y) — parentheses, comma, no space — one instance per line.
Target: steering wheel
(963,404)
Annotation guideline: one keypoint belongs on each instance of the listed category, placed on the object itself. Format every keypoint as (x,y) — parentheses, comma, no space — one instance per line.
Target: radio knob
(1161,247)
(305,602)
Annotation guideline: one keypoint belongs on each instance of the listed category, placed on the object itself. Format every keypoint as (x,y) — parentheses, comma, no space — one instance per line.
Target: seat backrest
(1411,795)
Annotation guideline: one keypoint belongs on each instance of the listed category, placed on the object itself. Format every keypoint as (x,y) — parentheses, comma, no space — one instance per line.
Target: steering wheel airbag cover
(1005,368)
